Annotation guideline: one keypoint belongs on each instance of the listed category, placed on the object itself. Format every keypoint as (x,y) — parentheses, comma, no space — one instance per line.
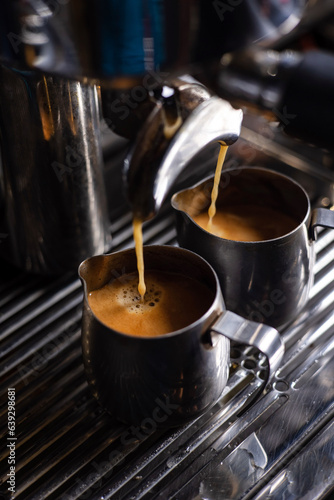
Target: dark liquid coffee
(172,301)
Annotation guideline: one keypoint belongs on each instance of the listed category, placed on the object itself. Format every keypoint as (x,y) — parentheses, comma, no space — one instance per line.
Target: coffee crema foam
(172,301)
(247,223)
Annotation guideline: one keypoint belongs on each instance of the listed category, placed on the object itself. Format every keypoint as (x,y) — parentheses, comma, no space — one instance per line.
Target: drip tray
(280,446)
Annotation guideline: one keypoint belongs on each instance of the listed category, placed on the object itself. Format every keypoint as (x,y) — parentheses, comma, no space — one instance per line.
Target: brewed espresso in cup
(241,221)
(172,301)
(246,222)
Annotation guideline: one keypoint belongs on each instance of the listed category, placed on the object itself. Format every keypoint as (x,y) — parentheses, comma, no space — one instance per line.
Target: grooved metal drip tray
(66,447)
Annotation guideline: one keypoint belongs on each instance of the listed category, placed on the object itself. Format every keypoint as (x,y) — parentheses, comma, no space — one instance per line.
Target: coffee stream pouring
(186,118)
(55,57)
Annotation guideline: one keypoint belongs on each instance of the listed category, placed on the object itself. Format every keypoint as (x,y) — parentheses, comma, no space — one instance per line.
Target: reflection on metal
(309,475)
(156,159)
(54,197)
(237,472)
(278,447)
(256,451)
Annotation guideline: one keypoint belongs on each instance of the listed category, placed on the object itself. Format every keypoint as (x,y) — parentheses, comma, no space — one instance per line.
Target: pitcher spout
(185,120)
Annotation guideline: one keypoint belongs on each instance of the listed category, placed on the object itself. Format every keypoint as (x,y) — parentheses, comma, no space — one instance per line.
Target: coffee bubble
(130,299)
(171,302)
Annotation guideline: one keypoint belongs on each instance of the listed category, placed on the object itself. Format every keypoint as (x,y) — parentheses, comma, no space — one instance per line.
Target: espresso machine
(106,108)
(153,77)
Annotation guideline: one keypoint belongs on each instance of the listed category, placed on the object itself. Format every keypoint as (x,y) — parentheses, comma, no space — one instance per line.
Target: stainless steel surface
(67,448)
(309,465)
(213,121)
(257,335)
(53,194)
(165,146)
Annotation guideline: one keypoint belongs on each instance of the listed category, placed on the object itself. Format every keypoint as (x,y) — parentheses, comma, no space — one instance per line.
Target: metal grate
(282,446)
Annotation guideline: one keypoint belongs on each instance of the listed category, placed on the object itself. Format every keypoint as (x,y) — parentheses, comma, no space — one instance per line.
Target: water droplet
(171,462)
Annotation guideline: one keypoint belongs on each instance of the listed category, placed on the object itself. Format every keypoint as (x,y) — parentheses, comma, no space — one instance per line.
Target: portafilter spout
(185,119)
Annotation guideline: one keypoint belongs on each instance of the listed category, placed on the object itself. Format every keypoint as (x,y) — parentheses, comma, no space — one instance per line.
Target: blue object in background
(131,34)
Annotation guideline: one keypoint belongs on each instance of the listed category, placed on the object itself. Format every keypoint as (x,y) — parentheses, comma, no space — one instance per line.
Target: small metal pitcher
(266,281)
(169,379)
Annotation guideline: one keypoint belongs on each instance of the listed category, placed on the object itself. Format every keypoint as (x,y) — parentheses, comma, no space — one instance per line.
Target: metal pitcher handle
(265,338)
(322,217)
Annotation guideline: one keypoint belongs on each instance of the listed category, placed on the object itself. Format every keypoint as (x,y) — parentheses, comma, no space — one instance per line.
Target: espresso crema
(172,301)
(246,223)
